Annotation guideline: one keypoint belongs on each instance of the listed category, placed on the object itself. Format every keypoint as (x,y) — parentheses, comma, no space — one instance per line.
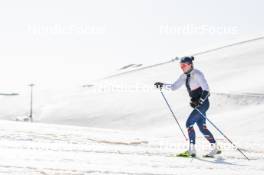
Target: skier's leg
(209,136)
(193,117)
(191,133)
(203,128)
(201,122)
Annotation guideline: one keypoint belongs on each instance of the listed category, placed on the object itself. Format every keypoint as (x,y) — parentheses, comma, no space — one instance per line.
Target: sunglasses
(184,65)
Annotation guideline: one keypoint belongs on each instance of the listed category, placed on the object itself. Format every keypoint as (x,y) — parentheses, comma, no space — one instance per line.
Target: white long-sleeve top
(197,80)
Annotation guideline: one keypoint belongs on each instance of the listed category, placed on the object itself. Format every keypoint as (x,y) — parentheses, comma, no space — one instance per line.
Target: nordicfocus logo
(192,29)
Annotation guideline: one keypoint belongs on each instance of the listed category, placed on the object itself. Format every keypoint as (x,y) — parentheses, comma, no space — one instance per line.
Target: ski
(206,156)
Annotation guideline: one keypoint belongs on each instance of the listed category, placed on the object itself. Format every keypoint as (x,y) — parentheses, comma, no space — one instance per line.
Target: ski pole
(222,133)
(173,114)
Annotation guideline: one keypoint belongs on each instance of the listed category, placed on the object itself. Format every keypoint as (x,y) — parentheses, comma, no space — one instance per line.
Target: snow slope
(138,134)
(130,102)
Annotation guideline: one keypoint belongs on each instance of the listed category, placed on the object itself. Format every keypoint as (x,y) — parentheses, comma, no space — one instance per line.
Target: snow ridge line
(244,98)
(194,54)
(252,95)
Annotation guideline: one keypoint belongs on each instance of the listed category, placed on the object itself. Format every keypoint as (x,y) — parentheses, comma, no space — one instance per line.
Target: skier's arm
(177,84)
(204,85)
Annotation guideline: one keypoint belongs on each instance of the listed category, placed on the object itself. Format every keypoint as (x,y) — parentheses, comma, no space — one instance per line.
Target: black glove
(194,103)
(198,102)
(159,85)
(204,97)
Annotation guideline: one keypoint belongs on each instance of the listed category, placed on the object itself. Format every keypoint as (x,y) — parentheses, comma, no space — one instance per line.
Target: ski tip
(208,156)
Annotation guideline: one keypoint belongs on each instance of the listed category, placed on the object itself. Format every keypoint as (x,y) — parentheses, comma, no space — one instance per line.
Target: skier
(198,90)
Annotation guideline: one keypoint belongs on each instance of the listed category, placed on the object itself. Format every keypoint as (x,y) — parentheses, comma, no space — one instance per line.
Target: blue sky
(75,41)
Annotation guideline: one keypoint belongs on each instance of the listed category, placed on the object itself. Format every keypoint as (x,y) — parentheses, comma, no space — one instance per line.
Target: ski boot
(214,151)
